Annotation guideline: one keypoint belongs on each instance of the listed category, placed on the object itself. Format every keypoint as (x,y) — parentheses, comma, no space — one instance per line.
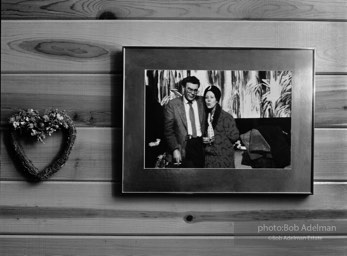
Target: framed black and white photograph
(218,120)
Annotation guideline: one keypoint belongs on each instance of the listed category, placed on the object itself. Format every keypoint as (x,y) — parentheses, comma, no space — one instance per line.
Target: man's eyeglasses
(190,90)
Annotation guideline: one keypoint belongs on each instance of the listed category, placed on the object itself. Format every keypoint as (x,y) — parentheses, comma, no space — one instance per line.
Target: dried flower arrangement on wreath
(29,121)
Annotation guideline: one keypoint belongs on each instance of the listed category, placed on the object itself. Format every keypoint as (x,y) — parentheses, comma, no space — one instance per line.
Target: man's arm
(170,134)
(169,127)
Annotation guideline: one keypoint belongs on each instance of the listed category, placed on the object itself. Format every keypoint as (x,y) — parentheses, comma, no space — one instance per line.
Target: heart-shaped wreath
(31,123)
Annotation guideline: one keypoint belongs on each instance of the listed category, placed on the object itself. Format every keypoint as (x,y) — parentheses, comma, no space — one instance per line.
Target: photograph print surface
(249,128)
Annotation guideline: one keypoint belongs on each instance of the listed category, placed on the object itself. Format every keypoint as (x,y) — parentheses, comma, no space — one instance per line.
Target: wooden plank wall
(68,55)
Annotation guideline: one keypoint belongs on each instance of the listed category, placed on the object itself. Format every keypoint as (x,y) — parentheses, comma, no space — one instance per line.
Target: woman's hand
(207,140)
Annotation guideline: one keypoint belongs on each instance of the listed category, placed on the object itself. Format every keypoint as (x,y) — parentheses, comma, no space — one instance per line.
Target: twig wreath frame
(31,123)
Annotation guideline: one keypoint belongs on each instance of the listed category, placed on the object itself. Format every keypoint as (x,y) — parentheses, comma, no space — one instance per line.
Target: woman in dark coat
(221,132)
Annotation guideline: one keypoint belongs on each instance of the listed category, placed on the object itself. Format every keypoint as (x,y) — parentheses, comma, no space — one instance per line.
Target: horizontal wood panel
(331,101)
(95,46)
(132,9)
(148,245)
(64,206)
(100,100)
(330,154)
(98,207)
(97,155)
(89,99)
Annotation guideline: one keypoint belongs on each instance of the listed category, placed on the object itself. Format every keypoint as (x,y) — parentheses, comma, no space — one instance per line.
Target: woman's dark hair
(215,90)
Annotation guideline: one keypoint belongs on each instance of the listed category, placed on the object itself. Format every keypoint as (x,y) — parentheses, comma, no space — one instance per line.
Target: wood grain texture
(80,210)
(331,101)
(89,99)
(330,154)
(52,208)
(95,46)
(97,155)
(100,102)
(173,245)
(147,9)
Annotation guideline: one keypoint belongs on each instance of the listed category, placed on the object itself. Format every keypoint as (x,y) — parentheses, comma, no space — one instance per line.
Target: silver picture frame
(297,178)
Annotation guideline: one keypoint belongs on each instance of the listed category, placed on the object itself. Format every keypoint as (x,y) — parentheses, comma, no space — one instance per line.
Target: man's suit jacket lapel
(182,112)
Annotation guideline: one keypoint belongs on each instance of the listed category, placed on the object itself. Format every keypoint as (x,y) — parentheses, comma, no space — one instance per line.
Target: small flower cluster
(31,122)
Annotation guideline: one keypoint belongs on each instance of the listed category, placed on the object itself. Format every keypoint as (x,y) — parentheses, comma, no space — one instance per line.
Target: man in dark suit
(184,125)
